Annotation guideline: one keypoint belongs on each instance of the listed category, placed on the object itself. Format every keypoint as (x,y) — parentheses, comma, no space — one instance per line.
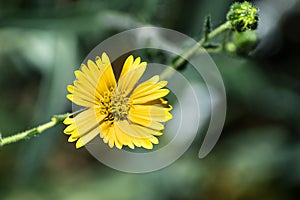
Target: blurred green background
(257,156)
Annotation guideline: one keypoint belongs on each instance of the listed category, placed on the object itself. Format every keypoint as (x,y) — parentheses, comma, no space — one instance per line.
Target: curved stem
(56,119)
(191,51)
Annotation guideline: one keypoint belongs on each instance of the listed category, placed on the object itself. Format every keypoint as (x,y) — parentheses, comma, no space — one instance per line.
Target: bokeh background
(257,156)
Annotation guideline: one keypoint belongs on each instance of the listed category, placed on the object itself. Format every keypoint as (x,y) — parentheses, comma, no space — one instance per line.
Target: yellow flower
(122,112)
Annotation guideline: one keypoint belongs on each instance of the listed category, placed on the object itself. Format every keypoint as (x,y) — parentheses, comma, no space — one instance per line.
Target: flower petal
(82,123)
(153,113)
(145,121)
(156,94)
(139,135)
(82,93)
(91,71)
(87,138)
(130,64)
(147,88)
(127,65)
(127,82)
(79,101)
(107,132)
(122,136)
(108,77)
(85,79)
(147,144)
(146,131)
(129,130)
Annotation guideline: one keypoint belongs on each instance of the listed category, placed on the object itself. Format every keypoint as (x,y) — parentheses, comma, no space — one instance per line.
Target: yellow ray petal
(83,123)
(85,79)
(130,131)
(70,88)
(88,92)
(96,74)
(118,144)
(131,64)
(104,129)
(127,65)
(68,120)
(141,130)
(154,140)
(112,139)
(161,102)
(152,81)
(108,76)
(83,91)
(145,121)
(127,82)
(137,142)
(84,86)
(87,138)
(140,136)
(122,137)
(153,113)
(110,73)
(147,144)
(150,97)
(107,132)
(79,101)
(72,139)
(91,70)
(147,89)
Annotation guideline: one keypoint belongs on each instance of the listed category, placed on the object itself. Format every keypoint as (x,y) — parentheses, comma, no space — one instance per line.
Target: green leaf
(207,27)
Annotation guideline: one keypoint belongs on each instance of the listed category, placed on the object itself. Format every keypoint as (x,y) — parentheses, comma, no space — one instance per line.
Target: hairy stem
(56,119)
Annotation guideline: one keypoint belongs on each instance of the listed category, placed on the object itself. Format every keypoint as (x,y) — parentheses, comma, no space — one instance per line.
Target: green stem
(191,51)
(56,119)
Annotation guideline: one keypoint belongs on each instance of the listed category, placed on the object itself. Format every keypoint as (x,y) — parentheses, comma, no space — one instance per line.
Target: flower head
(243,16)
(122,112)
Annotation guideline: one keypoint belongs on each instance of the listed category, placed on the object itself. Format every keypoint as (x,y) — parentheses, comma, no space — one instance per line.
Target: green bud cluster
(243,16)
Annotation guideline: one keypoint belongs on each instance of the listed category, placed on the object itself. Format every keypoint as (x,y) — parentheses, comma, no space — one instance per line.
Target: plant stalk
(56,119)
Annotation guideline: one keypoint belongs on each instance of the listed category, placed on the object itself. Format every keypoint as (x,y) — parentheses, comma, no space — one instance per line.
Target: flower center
(115,105)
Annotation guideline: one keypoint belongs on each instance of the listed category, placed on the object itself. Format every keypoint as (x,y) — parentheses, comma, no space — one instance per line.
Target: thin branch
(181,60)
(56,119)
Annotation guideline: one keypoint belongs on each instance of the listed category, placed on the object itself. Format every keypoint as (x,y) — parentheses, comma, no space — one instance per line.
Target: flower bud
(245,41)
(243,16)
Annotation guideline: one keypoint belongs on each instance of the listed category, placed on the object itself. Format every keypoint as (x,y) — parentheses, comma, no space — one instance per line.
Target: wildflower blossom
(121,111)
